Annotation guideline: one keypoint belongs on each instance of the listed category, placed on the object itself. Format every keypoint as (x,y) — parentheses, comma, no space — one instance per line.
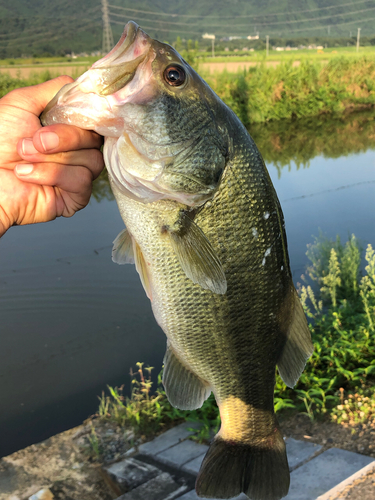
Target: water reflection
(284,143)
(72,321)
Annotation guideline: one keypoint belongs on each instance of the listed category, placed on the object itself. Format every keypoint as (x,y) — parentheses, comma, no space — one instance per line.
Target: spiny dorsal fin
(122,251)
(298,347)
(197,257)
(183,388)
(142,269)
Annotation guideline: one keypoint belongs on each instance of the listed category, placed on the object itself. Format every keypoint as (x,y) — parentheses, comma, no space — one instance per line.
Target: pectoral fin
(196,255)
(184,389)
(142,269)
(127,251)
(298,347)
(122,252)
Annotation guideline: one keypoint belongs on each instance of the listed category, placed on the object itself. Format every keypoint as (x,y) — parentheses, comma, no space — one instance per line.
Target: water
(72,321)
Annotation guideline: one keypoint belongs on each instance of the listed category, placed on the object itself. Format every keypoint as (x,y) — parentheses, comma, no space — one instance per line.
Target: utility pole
(358,36)
(329,30)
(107,31)
(213,46)
(267,44)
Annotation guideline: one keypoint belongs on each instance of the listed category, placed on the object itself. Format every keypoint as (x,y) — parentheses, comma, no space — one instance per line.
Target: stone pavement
(166,468)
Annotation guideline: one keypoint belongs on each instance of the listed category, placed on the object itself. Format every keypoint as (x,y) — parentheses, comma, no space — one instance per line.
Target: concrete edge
(347,482)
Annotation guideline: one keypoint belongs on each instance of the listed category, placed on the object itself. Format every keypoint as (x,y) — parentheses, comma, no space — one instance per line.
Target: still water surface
(72,321)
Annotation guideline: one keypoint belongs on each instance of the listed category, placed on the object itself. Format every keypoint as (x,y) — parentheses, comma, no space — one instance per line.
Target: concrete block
(336,490)
(191,495)
(323,472)
(162,487)
(300,451)
(130,473)
(168,439)
(181,453)
(194,465)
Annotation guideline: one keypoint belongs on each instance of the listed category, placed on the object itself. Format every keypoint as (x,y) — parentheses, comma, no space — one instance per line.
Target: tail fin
(230,468)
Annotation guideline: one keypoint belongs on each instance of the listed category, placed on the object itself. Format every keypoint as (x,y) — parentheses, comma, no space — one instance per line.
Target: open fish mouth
(97,88)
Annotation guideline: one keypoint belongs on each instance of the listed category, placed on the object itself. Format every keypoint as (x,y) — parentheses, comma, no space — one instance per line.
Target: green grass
(338,380)
(264,93)
(289,55)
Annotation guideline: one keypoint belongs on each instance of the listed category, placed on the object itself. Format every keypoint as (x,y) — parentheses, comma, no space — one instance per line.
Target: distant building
(207,35)
(255,37)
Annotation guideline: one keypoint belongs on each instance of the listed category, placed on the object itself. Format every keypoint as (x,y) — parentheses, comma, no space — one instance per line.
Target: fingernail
(28,147)
(24,169)
(49,140)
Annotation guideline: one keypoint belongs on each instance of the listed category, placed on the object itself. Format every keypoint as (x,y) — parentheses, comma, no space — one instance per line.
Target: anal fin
(184,389)
(298,347)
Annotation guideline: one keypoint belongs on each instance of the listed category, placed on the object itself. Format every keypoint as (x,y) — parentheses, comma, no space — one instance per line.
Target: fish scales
(206,232)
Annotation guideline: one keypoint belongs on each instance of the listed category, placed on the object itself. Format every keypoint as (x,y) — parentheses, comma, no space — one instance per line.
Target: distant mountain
(30,27)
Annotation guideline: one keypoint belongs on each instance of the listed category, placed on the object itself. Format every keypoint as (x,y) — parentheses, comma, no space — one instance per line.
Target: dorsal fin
(298,347)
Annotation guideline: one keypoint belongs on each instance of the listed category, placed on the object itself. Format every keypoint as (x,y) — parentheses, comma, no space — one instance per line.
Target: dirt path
(233,67)
(25,72)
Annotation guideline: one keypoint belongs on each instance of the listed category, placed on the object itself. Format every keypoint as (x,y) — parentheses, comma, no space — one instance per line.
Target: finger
(36,97)
(73,179)
(89,158)
(56,138)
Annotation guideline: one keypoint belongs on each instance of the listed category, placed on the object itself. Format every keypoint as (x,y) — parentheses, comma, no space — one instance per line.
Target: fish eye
(175,75)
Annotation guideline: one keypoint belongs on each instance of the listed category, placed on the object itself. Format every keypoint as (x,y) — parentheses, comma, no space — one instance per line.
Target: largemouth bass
(206,232)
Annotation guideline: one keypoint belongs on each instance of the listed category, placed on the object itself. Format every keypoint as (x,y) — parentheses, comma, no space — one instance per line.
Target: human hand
(45,172)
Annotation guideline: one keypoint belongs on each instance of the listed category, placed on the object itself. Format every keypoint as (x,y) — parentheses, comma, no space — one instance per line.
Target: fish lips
(106,76)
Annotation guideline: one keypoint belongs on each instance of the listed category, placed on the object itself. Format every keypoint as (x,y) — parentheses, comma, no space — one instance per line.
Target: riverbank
(265,91)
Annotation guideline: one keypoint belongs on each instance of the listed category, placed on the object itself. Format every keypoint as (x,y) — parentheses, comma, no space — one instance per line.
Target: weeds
(148,412)
(341,322)
(265,93)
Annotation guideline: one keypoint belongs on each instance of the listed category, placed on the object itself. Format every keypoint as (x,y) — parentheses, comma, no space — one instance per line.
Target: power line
(233,17)
(159,21)
(43,36)
(209,26)
(16,36)
(153,28)
(337,24)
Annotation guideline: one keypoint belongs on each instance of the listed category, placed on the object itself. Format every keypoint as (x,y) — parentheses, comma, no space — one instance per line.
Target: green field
(204,57)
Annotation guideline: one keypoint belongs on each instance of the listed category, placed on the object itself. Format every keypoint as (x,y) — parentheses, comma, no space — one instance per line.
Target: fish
(205,230)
